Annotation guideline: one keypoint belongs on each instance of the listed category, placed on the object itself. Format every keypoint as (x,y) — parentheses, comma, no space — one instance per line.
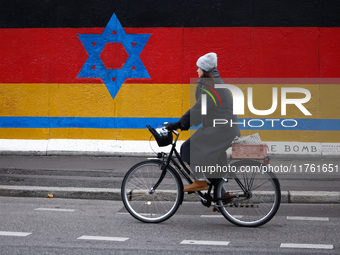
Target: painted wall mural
(104,69)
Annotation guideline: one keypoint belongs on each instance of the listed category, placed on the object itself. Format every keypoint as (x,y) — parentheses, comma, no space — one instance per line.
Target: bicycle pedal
(215,209)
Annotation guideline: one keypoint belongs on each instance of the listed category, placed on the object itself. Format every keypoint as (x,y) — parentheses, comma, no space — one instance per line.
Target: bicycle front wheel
(146,204)
(254,196)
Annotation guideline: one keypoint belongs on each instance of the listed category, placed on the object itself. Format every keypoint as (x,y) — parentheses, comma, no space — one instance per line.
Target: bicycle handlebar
(166,124)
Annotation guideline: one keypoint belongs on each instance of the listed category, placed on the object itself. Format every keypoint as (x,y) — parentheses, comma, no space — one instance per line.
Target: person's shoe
(196,186)
(224,201)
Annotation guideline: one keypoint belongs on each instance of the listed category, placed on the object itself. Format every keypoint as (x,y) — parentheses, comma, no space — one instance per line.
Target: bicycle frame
(185,172)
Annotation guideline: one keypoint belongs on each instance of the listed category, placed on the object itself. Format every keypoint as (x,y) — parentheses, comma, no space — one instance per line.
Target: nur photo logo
(204,98)
(280,97)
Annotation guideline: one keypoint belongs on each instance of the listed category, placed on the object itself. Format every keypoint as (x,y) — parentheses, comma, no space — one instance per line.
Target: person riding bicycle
(208,145)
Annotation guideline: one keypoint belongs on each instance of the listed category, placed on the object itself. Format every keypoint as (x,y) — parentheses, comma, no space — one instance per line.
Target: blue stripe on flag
(140,123)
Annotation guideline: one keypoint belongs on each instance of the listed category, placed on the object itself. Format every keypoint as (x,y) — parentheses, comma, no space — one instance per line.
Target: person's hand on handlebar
(173,126)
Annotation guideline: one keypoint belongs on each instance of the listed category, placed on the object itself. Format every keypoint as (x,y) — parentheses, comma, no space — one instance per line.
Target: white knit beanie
(207,62)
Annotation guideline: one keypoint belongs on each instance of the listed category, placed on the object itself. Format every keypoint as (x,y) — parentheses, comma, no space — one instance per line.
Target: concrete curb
(324,197)
(60,192)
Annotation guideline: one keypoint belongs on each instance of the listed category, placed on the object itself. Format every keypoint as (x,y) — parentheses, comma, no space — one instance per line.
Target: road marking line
(143,214)
(308,218)
(219,216)
(103,238)
(7,233)
(306,246)
(205,242)
(55,209)
(212,216)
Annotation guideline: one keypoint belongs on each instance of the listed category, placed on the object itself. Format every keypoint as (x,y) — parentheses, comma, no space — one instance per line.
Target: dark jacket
(208,144)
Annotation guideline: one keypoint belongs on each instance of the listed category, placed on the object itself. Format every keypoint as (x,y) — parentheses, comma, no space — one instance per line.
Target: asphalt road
(62,226)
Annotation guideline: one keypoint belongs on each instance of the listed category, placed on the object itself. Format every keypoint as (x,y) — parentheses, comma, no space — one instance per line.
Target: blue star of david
(94,45)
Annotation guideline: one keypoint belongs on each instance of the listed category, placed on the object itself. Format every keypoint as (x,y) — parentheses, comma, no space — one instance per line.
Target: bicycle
(152,190)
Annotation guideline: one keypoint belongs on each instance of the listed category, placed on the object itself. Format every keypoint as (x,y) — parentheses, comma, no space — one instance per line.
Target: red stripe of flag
(57,55)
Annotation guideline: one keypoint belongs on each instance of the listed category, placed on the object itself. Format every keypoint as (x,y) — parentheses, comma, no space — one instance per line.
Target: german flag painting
(104,69)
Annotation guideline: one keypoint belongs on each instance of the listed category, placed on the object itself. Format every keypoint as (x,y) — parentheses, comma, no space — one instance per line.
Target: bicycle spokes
(255,196)
(152,193)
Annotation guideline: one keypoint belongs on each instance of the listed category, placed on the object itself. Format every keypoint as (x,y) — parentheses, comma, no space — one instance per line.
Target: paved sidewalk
(100,178)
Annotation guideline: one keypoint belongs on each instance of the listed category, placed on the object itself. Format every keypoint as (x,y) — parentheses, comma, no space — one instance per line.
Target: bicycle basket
(249,147)
(163,138)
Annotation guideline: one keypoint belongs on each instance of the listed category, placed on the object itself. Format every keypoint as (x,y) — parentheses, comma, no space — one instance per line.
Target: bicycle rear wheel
(145,204)
(254,196)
